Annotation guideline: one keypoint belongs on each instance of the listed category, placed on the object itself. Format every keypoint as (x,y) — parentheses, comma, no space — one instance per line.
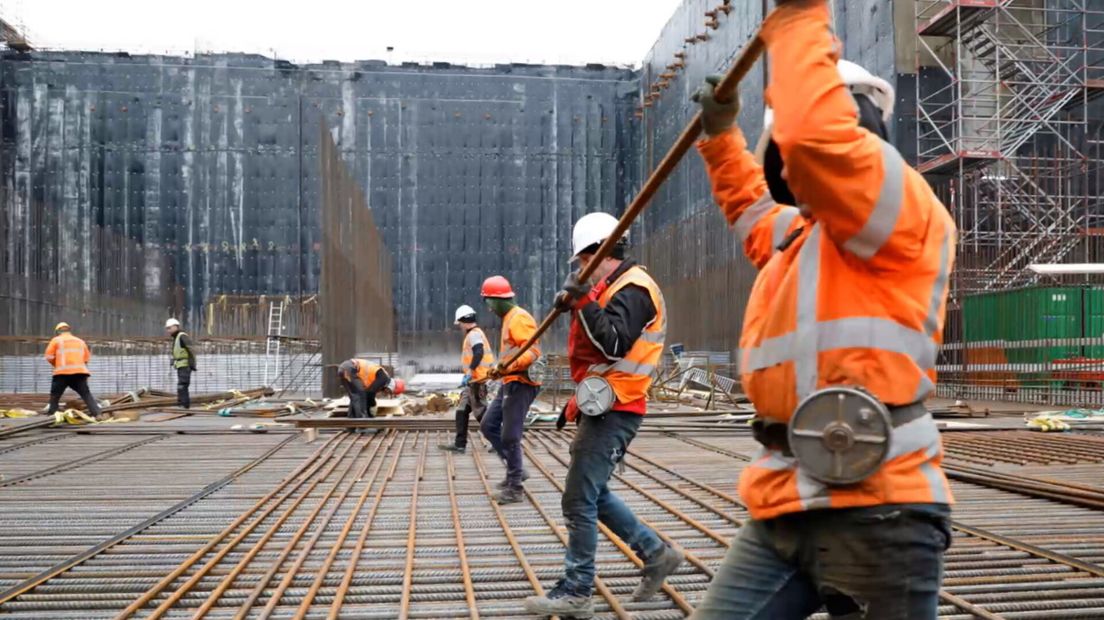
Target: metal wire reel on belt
(840,435)
(594,396)
(537,371)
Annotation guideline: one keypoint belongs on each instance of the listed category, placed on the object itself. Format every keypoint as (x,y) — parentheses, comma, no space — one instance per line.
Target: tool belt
(839,435)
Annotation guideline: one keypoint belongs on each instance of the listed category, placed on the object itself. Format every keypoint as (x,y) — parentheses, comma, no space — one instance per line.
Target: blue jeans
(880,563)
(599,445)
(504,422)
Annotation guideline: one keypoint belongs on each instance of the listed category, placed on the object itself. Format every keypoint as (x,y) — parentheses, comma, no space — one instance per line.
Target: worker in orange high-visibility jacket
(618,327)
(69,356)
(476,360)
(504,421)
(362,380)
(851,291)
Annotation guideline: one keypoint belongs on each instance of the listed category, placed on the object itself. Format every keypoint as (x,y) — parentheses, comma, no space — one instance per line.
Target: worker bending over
(69,356)
(183,360)
(851,292)
(477,361)
(362,380)
(505,418)
(618,326)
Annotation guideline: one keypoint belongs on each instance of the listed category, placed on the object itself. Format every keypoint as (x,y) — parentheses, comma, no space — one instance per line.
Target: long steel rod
(461,548)
(725,90)
(412,531)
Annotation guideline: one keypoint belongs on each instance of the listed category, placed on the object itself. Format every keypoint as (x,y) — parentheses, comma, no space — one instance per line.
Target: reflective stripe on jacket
(180,354)
(517,326)
(68,355)
(631,376)
(478,375)
(858,296)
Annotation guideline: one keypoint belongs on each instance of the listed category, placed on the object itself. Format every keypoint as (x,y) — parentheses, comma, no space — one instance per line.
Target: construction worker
(618,325)
(69,356)
(851,291)
(183,360)
(504,421)
(477,361)
(362,380)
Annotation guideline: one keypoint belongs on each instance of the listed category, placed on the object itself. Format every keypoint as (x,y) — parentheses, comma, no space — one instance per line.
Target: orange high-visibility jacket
(367,371)
(517,326)
(68,355)
(858,297)
(631,376)
(473,337)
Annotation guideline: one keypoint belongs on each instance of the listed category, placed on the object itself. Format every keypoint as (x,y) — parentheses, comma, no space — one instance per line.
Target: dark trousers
(472,400)
(599,444)
(504,422)
(361,402)
(183,381)
(77,383)
(878,563)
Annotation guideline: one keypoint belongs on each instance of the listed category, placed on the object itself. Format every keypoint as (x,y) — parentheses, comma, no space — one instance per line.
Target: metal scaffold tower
(1005,92)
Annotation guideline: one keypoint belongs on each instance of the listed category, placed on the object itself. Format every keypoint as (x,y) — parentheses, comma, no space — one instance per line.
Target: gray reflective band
(887,208)
(654,337)
(751,215)
(782,224)
(805,337)
(625,366)
(863,332)
(918,434)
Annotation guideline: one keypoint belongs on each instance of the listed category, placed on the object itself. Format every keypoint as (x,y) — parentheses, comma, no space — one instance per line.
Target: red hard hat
(497,286)
(400,387)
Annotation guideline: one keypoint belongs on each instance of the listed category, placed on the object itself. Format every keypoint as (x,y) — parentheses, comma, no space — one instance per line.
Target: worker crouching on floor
(69,356)
(362,380)
(504,421)
(183,360)
(477,361)
(848,501)
(618,326)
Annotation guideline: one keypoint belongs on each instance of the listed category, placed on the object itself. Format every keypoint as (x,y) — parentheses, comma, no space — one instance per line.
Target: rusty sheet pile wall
(358,307)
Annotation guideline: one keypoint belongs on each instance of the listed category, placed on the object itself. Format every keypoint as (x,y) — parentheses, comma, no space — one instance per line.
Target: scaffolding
(1005,134)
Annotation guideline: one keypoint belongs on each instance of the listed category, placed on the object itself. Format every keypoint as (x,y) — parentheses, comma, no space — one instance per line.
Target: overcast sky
(461,31)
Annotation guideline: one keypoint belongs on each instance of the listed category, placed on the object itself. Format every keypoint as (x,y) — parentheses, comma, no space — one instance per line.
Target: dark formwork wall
(684,239)
(137,186)
(358,317)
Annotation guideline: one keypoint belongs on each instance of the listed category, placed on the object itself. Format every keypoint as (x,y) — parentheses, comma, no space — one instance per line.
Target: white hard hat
(590,229)
(462,312)
(172,323)
(859,80)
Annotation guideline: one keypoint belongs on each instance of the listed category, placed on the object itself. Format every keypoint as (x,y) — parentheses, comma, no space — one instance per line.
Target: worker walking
(618,326)
(183,360)
(845,317)
(362,380)
(69,356)
(505,418)
(477,361)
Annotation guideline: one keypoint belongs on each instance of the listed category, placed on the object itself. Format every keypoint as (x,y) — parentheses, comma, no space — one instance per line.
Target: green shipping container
(1035,314)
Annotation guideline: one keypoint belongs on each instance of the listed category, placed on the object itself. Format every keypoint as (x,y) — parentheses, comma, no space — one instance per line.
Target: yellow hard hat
(60,326)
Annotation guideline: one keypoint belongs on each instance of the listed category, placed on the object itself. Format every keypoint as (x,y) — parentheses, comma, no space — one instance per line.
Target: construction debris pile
(422,403)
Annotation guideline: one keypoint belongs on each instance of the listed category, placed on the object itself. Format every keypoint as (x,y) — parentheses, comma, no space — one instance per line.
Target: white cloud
(473,31)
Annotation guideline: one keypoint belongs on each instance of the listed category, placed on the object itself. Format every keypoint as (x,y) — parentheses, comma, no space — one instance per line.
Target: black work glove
(717,117)
(561,421)
(572,290)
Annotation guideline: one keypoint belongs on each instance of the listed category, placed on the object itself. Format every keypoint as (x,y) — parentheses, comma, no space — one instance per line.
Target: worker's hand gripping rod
(725,90)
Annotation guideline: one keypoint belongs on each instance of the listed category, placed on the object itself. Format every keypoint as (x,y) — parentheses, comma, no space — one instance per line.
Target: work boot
(510,495)
(656,570)
(560,602)
(449,447)
(505,482)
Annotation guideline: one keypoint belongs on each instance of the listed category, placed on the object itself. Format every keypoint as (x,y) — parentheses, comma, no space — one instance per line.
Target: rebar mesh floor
(175,523)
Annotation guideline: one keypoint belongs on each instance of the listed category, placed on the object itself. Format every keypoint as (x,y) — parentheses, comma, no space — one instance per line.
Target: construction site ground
(181,516)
